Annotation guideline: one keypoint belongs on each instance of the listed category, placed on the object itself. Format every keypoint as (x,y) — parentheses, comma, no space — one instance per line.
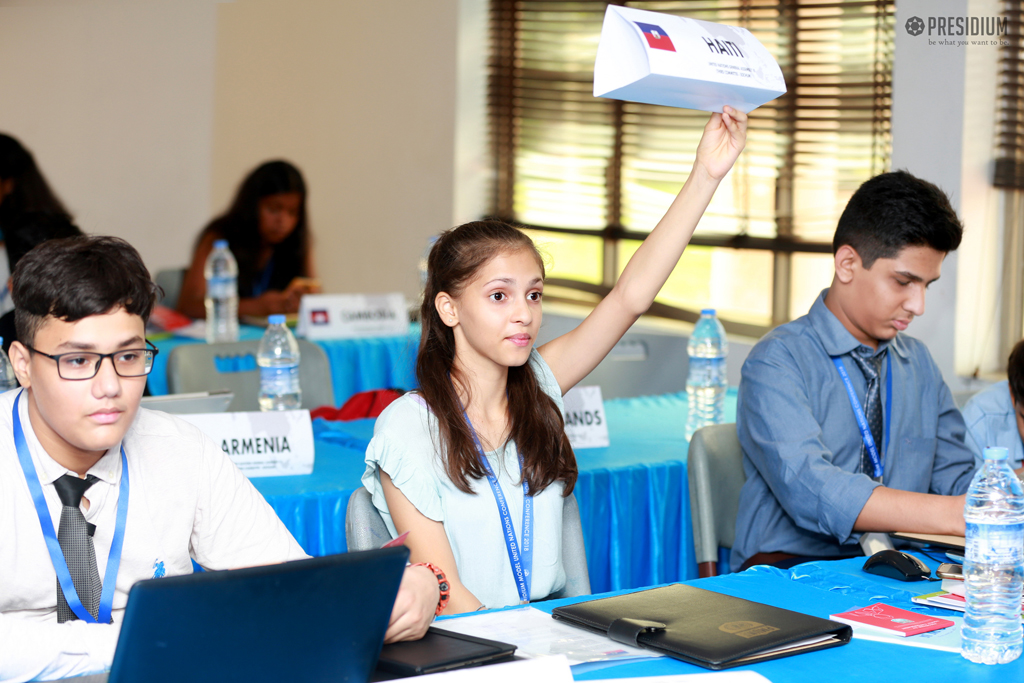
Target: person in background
(23,189)
(22,185)
(815,481)
(23,234)
(995,416)
(267,230)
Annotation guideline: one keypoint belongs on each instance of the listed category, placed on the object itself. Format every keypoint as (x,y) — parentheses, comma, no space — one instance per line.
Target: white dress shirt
(186,500)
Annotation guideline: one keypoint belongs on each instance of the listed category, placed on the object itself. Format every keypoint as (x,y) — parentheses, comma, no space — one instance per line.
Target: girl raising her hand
(476,463)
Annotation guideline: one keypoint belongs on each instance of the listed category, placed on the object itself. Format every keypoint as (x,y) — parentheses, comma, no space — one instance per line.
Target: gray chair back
(365,530)
(191,367)
(170,280)
(714,468)
(574,555)
(364,527)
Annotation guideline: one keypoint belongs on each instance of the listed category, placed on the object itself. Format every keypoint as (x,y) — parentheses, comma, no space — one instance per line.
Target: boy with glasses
(98,494)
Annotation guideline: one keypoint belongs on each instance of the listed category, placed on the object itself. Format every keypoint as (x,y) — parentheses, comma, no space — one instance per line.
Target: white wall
(928,117)
(115,100)
(474,175)
(362,97)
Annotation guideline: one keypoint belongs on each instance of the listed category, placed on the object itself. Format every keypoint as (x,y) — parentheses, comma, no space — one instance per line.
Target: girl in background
(25,199)
(476,463)
(23,188)
(267,232)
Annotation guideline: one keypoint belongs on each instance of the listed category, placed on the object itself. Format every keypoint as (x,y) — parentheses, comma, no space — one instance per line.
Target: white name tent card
(657,58)
(585,423)
(269,444)
(347,316)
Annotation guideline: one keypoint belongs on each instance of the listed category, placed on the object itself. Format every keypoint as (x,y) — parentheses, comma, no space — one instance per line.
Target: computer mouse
(897,565)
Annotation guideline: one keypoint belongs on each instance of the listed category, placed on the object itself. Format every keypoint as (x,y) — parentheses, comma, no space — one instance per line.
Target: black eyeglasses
(79,365)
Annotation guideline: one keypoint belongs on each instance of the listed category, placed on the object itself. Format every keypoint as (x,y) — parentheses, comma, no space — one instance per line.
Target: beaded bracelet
(442,585)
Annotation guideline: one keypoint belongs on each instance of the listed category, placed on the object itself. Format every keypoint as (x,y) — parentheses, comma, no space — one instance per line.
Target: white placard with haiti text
(658,58)
(585,423)
(348,316)
(269,444)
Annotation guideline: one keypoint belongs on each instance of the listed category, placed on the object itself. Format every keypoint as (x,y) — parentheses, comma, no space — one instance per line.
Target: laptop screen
(318,619)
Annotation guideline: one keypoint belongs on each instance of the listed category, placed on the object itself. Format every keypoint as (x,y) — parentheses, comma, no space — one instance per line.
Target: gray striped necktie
(75,539)
(871,366)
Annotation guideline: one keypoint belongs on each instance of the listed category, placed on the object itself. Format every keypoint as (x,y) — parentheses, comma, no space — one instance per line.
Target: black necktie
(871,366)
(75,539)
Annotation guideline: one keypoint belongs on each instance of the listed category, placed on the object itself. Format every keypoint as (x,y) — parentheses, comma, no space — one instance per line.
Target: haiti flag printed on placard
(656,37)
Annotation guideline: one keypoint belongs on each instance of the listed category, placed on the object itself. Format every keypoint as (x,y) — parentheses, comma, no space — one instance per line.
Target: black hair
(240,226)
(1015,373)
(31,229)
(74,278)
(30,192)
(896,210)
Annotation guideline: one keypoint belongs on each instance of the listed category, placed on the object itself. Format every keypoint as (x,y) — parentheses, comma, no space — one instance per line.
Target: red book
(892,620)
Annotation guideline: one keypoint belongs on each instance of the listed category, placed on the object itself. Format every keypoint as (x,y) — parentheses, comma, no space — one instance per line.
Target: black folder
(708,629)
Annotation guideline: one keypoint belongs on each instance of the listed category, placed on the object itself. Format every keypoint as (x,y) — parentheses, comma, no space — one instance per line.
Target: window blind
(1009,167)
(568,161)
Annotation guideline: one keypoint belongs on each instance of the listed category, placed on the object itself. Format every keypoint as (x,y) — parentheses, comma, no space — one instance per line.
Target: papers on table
(712,677)
(553,669)
(942,599)
(536,634)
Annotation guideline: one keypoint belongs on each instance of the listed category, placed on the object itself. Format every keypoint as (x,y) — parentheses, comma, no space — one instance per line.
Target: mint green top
(404,445)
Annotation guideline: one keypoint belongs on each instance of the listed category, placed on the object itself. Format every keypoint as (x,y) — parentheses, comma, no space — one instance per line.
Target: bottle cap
(707,311)
(220,244)
(277,319)
(996,454)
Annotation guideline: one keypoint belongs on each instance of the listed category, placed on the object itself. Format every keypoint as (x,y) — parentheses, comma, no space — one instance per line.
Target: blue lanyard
(262,283)
(862,421)
(60,565)
(520,558)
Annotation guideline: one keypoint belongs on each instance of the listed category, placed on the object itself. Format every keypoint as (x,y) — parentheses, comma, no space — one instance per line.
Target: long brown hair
(536,425)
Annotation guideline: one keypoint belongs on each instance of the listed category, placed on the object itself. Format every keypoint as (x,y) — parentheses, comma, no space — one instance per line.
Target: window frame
(502,117)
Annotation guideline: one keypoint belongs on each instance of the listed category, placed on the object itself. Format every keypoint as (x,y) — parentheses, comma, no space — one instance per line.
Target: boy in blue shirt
(816,481)
(995,416)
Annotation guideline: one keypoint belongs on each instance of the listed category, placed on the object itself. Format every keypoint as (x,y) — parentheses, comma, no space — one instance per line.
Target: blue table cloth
(821,589)
(356,364)
(633,495)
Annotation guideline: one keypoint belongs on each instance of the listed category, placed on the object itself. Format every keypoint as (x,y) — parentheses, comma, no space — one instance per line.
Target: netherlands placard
(585,423)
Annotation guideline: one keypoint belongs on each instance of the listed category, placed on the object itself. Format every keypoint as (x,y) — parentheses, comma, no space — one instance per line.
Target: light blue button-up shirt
(802,448)
(992,421)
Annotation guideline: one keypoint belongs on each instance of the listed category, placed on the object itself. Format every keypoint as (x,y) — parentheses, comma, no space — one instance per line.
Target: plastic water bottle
(221,273)
(993,562)
(278,358)
(7,379)
(706,382)
(424,257)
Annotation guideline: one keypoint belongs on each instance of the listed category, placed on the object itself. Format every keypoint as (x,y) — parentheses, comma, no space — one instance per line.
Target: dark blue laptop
(321,619)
